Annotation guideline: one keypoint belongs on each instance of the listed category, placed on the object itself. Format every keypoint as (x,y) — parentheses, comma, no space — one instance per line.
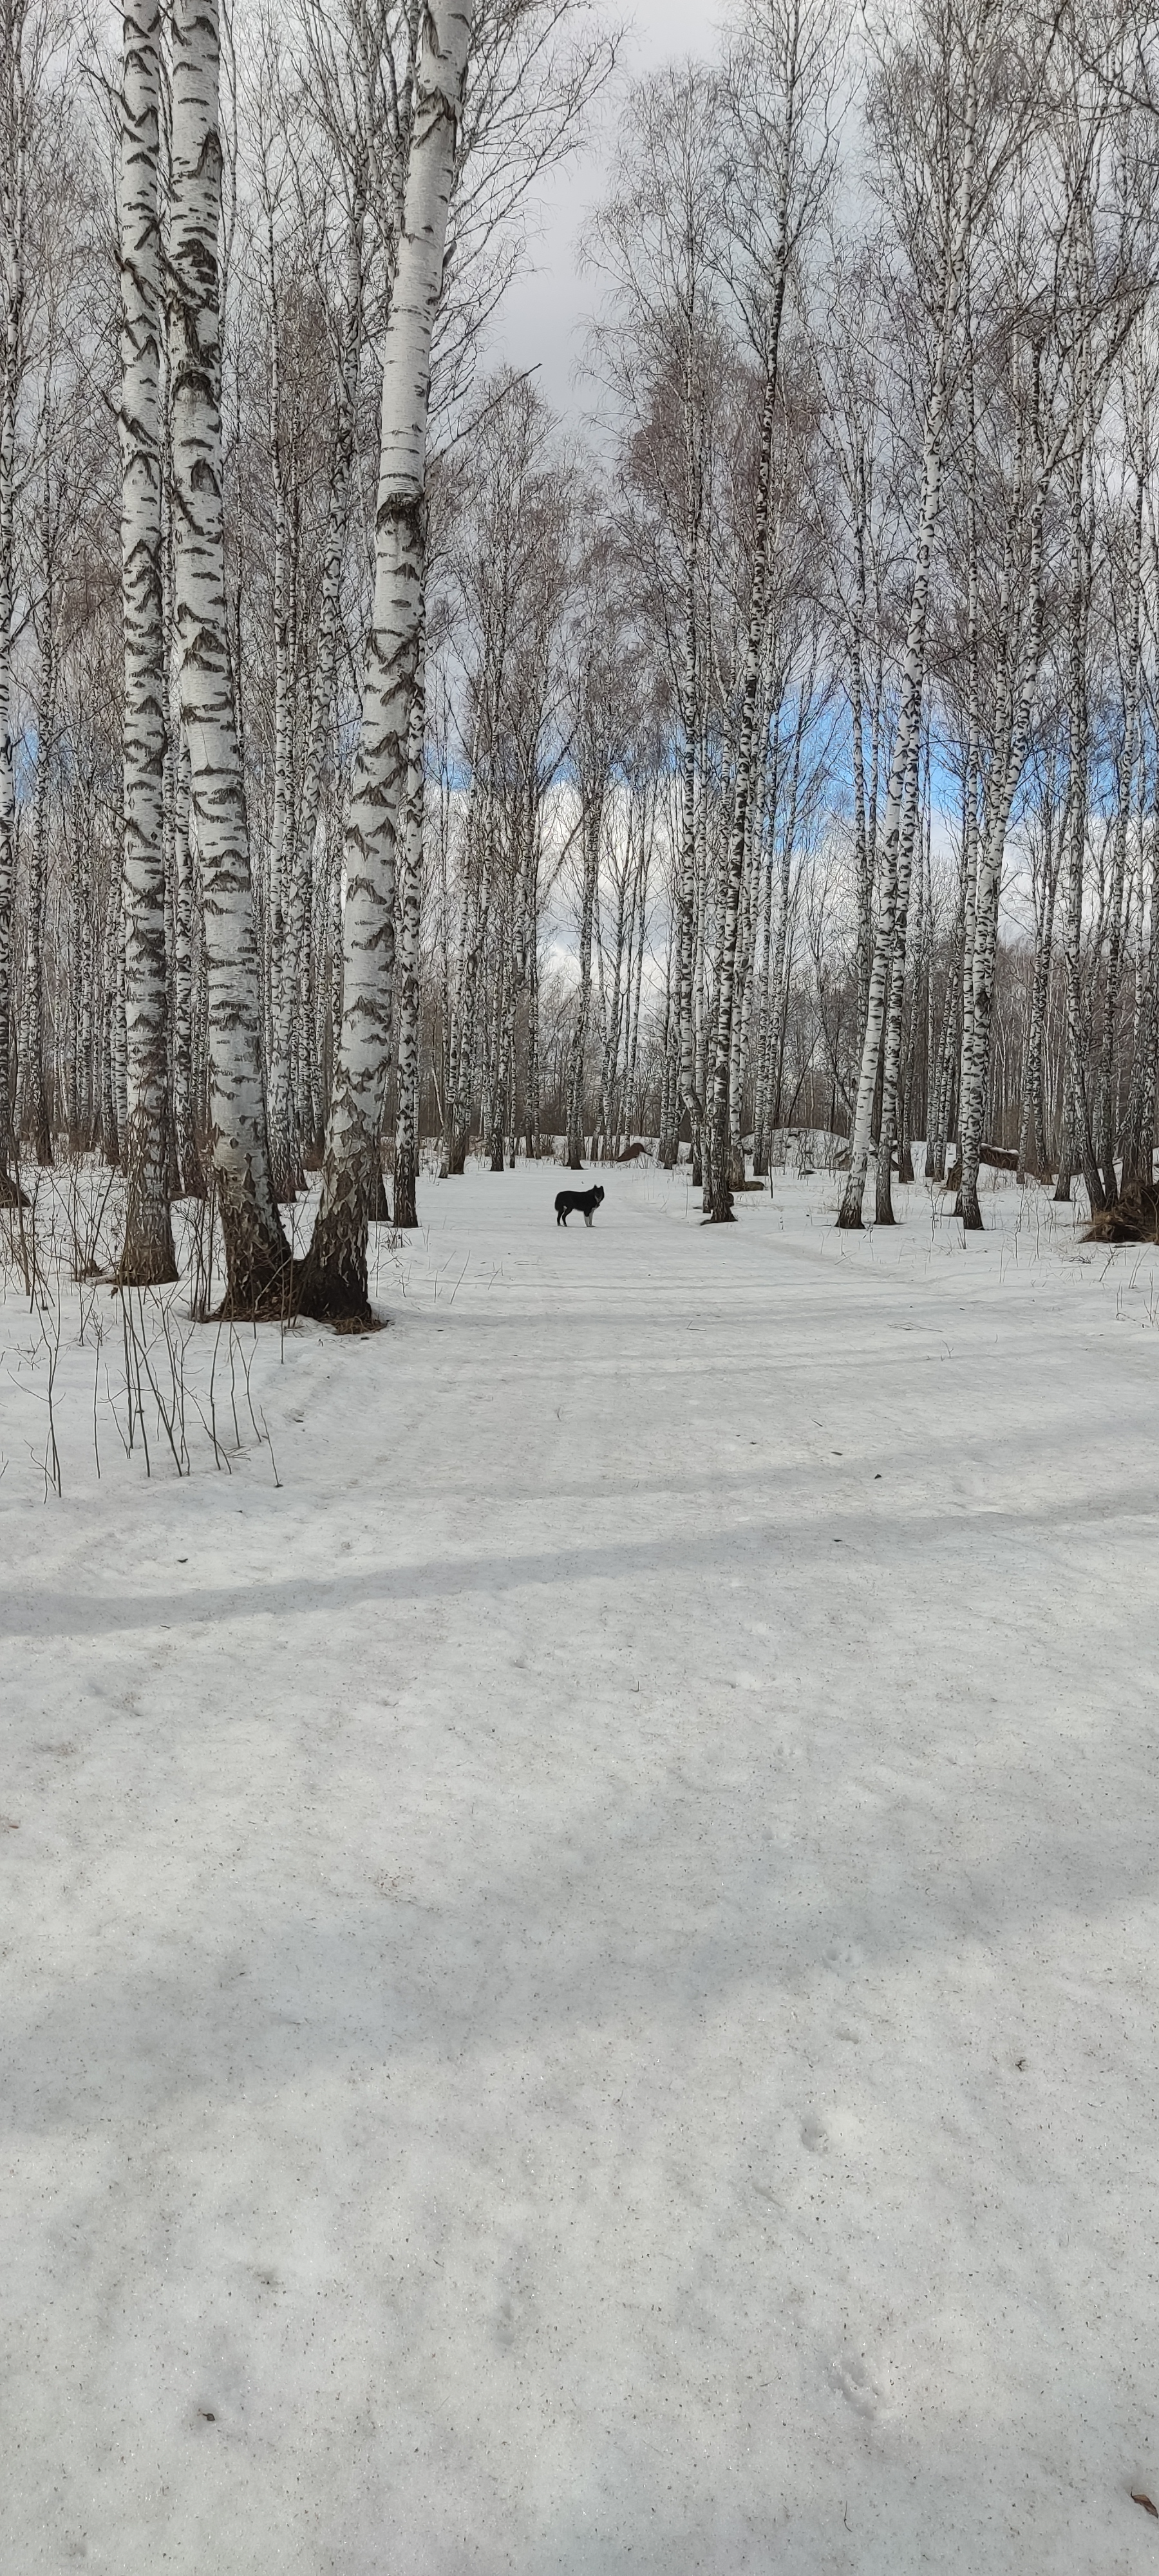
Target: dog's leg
(587,1216)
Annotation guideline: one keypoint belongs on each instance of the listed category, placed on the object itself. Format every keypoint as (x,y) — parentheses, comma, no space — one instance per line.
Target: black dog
(567,1201)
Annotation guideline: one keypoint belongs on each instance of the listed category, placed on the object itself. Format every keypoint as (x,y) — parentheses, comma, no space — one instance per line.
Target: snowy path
(580,1981)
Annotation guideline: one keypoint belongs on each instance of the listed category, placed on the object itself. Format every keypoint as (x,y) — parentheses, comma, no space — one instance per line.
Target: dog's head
(599,1195)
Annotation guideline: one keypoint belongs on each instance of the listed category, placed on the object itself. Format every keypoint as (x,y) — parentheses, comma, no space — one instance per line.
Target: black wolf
(568,1201)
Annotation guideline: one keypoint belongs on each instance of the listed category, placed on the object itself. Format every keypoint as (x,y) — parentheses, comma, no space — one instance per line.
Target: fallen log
(997,1158)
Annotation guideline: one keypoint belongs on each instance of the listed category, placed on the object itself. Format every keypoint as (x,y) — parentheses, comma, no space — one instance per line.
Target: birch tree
(663,354)
(949,127)
(410,891)
(13,166)
(257,1255)
(782,87)
(147,1253)
(334,1279)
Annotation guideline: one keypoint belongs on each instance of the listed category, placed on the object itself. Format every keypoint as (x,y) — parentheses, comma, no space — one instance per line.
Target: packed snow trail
(580,1979)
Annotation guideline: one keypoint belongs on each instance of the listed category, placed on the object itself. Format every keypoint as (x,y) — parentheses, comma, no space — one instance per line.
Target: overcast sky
(541,322)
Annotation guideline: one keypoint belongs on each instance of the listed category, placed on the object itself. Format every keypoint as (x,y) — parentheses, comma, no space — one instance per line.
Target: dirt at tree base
(1134,1218)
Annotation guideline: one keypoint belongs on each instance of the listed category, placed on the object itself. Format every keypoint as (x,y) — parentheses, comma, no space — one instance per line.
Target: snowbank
(579,1971)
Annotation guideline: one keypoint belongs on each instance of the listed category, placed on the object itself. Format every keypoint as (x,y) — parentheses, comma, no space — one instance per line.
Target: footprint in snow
(814,2135)
(854,2379)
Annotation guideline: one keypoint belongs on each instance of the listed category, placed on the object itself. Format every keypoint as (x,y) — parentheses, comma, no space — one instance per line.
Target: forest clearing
(580,1970)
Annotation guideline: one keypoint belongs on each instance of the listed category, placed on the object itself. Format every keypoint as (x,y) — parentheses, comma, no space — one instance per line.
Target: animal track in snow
(814,2134)
(854,2379)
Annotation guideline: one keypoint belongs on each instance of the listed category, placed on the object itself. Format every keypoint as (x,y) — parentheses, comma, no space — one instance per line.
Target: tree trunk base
(721,1171)
(260,1300)
(261,1274)
(334,1292)
(331,1283)
(849,1217)
(146,1265)
(405,1209)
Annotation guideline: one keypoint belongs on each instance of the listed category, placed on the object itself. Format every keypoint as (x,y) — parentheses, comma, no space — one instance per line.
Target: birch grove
(765,764)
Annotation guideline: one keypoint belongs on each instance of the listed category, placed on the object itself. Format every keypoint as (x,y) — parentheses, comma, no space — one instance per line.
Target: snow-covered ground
(579,1970)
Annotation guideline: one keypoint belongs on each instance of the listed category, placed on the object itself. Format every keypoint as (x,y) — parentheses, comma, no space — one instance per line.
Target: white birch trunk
(406,1138)
(34,1105)
(883,1200)
(592,828)
(718,1195)
(913,667)
(334,1278)
(296,1035)
(147,1250)
(1000,799)
(285,1160)
(12,284)
(257,1255)
(691,1095)
(1105,1136)
(1081,1153)
(188,1159)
